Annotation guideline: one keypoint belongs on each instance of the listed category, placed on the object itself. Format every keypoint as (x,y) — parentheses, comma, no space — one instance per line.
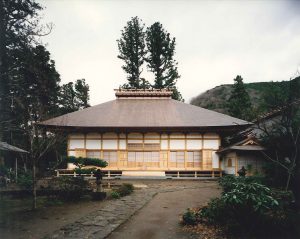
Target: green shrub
(227,182)
(125,189)
(84,170)
(214,212)
(189,217)
(87,162)
(252,196)
(71,188)
(248,208)
(115,195)
(25,180)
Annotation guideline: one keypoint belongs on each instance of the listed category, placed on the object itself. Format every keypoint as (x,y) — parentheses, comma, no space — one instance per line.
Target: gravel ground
(153,210)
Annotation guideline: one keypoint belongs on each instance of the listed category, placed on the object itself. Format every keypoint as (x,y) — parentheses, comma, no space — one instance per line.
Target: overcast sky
(216,40)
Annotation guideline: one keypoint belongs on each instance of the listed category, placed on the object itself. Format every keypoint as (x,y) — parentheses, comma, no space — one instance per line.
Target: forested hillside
(217,98)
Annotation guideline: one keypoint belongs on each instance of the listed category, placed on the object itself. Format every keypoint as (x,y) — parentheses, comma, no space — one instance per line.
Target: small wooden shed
(245,153)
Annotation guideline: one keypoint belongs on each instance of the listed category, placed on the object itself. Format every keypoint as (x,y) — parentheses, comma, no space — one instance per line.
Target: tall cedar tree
(74,97)
(132,51)
(160,58)
(19,25)
(239,104)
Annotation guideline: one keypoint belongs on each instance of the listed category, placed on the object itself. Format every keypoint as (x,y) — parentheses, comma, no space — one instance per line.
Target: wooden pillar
(118,151)
(168,152)
(185,151)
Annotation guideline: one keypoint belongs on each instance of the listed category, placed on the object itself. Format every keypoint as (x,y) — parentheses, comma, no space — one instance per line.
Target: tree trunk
(288,181)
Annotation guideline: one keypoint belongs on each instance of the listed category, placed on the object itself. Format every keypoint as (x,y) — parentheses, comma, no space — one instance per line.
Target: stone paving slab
(103,222)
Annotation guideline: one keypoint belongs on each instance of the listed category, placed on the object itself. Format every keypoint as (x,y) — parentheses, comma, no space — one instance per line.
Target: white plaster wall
(76,143)
(215,160)
(164,144)
(151,141)
(122,144)
(229,170)
(110,144)
(135,141)
(194,144)
(211,144)
(177,144)
(72,153)
(93,144)
(71,166)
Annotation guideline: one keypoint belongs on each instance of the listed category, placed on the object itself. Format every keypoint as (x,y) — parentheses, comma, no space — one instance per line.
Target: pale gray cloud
(216,40)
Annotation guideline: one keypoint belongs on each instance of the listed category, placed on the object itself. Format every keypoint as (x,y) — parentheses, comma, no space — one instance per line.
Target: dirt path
(159,219)
(36,224)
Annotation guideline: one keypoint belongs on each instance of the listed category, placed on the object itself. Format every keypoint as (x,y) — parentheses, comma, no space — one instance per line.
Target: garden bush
(189,217)
(25,180)
(87,161)
(84,170)
(115,195)
(248,209)
(125,189)
(71,188)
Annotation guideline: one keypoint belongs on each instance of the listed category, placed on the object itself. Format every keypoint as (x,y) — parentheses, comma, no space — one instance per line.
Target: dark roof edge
(228,128)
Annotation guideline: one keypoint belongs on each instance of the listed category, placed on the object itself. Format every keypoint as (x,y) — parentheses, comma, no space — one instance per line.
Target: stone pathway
(159,219)
(101,223)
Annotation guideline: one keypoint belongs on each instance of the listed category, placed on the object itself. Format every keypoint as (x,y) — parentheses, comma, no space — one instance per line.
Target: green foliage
(84,170)
(125,189)
(189,217)
(80,162)
(71,188)
(115,195)
(19,24)
(73,97)
(248,208)
(132,50)
(239,104)
(160,58)
(253,196)
(214,212)
(25,180)
(227,182)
